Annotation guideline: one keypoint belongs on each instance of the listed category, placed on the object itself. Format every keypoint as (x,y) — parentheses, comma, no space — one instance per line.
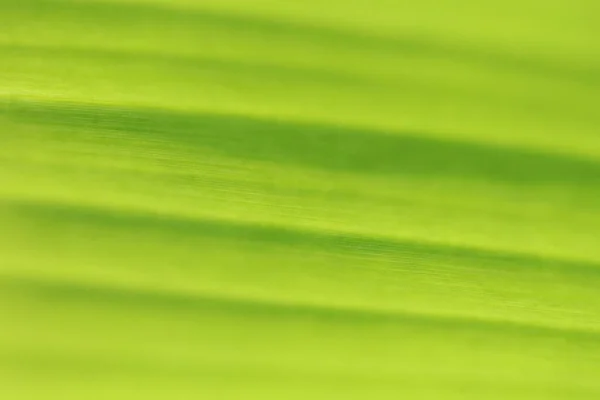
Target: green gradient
(235,199)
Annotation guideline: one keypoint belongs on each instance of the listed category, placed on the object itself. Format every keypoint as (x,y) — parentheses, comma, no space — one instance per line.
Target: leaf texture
(259,199)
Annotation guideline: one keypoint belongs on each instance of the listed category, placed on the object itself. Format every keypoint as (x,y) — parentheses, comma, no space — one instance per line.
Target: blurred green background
(260,199)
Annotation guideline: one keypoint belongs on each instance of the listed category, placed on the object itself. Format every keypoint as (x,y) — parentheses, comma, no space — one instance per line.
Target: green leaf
(258,199)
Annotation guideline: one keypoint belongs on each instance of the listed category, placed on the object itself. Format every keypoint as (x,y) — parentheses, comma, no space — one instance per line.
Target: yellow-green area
(274,199)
